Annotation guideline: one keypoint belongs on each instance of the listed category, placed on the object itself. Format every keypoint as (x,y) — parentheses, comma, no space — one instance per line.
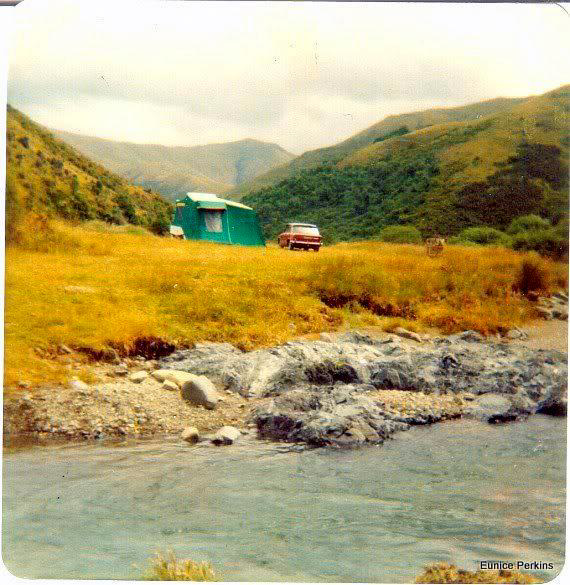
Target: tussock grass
(87,287)
(169,568)
(445,573)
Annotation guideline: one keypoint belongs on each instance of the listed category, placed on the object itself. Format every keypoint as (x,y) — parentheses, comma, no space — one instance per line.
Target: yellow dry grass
(445,573)
(91,287)
(169,568)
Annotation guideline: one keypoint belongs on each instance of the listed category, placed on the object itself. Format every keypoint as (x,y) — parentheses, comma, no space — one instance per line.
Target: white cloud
(301,74)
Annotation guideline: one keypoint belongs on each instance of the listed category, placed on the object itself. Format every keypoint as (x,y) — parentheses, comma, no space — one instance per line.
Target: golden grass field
(95,286)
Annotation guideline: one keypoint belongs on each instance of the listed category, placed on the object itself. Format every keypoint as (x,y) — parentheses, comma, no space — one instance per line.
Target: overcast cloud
(303,75)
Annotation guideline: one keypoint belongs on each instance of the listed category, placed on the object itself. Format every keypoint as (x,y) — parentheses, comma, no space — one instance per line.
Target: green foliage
(401,234)
(161,224)
(548,242)
(532,182)
(348,203)
(14,212)
(485,236)
(528,223)
(398,132)
(51,179)
(127,207)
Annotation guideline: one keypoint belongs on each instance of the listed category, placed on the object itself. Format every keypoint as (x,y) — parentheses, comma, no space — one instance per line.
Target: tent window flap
(213,220)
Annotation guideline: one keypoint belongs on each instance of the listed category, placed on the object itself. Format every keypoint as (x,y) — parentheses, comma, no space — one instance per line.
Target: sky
(302,74)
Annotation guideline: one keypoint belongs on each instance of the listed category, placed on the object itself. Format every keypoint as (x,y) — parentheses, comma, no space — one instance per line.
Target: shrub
(160,225)
(527,223)
(486,236)
(552,242)
(14,212)
(168,568)
(533,276)
(401,234)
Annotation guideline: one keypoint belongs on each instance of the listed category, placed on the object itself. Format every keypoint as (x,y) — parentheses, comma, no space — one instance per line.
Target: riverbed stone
(200,391)
(79,386)
(227,435)
(169,385)
(190,435)
(401,332)
(138,377)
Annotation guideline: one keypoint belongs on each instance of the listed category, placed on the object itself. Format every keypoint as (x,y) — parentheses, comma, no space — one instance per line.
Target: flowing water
(457,492)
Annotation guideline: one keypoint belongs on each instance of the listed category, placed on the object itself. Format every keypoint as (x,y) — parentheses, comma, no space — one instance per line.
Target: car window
(304,230)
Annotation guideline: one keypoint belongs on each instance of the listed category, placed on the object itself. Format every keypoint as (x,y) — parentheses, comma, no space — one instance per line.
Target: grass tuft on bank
(169,568)
(445,573)
(93,287)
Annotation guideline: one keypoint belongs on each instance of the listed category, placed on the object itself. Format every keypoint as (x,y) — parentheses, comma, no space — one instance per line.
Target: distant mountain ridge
(412,121)
(174,170)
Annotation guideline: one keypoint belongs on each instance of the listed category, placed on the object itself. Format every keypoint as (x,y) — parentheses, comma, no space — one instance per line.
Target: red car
(300,235)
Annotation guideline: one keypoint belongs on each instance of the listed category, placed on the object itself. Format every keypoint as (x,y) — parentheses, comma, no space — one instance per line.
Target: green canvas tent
(205,216)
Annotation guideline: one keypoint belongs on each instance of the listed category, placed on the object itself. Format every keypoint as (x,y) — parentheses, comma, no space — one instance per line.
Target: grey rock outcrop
(318,389)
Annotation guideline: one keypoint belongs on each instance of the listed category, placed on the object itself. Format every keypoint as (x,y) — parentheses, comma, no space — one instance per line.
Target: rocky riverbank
(342,390)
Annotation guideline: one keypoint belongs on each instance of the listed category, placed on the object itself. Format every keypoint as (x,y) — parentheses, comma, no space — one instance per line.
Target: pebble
(138,377)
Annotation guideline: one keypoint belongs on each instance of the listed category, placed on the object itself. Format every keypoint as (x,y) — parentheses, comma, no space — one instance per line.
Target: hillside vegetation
(175,170)
(47,178)
(95,287)
(441,179)
(377,132)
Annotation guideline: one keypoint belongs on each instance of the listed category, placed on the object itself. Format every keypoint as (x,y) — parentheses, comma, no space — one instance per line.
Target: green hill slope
(411,122)
(174,170)
(46,176)
(442,178)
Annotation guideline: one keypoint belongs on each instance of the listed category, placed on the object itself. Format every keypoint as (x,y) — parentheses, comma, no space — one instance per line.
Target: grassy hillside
(175,170)
(93,288)
(442,178)
(411,122)
(46,177)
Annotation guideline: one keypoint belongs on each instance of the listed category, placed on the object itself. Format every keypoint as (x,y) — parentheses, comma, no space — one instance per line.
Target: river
(457,492)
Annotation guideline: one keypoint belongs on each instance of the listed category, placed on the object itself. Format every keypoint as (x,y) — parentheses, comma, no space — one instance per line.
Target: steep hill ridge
(412,121)
(483,171)
(174,170)
(46,176)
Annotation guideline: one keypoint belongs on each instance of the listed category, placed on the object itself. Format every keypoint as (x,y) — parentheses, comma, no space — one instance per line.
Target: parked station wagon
(304,236)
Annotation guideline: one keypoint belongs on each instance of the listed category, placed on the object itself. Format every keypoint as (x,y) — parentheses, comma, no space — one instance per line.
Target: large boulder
(200,391)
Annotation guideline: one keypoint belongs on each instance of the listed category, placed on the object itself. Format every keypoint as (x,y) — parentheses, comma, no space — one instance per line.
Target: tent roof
(214,200)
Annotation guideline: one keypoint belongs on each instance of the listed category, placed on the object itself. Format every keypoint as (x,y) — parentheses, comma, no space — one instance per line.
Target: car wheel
(291,247)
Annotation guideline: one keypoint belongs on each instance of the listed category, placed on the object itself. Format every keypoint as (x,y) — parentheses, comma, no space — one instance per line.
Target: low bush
(485,236)
(401,234)
(533,275)
(527,223)
(550,242)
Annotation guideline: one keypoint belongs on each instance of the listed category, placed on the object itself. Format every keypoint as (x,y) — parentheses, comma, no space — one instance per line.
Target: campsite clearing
(96,290)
